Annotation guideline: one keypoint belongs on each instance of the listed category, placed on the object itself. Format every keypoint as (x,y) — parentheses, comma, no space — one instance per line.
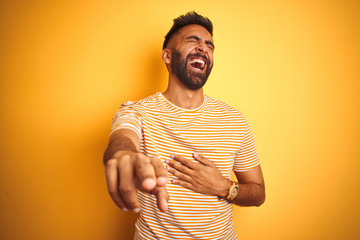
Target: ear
(166,56)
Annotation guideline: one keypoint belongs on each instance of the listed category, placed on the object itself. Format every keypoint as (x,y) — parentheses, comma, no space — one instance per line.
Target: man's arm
(251,188)
(127,169)
(204,177)
(123,139)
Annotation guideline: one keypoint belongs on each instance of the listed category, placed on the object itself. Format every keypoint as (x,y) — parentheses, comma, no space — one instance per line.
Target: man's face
(192,56)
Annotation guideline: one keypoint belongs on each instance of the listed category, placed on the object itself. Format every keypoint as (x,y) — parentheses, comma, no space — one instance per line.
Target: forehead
(195,30)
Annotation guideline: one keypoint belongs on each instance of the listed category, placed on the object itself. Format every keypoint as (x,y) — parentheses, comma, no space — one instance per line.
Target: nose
(201,48)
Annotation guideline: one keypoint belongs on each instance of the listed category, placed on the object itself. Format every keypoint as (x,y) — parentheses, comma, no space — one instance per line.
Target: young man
(171,154)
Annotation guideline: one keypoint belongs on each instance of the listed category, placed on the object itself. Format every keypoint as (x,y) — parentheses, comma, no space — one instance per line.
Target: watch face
(234,191)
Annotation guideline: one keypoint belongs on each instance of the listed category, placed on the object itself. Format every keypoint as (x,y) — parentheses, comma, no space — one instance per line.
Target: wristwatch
(232,191)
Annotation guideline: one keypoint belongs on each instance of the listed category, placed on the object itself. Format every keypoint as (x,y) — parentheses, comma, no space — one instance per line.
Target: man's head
(188,49)
(188,19)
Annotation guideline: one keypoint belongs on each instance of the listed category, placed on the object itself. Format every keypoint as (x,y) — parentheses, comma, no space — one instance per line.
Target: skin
(181,41)
(127,169)
(204,177)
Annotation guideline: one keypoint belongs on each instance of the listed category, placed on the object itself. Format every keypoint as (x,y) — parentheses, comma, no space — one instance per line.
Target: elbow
(261,200)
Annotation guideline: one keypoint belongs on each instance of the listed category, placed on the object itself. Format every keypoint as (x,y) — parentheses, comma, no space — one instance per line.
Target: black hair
(187,19)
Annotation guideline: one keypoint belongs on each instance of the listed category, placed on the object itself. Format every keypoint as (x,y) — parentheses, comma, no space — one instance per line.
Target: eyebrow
(197,39)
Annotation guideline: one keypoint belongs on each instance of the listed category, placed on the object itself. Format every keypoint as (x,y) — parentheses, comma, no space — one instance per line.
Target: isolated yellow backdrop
(292,67)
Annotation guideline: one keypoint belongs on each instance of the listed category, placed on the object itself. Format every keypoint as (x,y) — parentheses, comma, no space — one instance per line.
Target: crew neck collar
(183,109)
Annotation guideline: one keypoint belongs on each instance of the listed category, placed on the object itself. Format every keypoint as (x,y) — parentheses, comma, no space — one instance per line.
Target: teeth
(202,62)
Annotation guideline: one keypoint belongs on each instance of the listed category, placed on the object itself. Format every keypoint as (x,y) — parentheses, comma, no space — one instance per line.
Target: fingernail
(172,156)
(196,154)
(167,161)
(168,168)
(164,205)
(125,209)
(136,210)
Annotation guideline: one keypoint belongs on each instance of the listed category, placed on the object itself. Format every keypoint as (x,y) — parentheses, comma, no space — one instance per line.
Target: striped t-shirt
(216,131)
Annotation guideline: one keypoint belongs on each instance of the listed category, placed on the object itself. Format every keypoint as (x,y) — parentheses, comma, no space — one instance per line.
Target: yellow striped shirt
(215,130)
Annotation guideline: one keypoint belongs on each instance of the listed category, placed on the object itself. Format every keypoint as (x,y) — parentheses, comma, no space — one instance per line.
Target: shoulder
(142,104)
(217,106)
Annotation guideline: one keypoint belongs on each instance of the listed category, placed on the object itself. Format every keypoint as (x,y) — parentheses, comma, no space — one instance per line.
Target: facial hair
(191,80)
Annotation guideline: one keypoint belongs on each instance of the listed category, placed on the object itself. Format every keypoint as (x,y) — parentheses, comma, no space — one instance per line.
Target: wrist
(120,153)
(225,189)
(233,191)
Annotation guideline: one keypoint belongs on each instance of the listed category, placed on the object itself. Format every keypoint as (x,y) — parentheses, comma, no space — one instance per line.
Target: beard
(191,80)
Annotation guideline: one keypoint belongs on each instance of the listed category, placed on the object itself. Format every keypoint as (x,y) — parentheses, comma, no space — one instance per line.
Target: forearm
(250,194)
(119,143)
(127,170)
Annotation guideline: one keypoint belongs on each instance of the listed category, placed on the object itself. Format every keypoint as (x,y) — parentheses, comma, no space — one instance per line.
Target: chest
(216,137)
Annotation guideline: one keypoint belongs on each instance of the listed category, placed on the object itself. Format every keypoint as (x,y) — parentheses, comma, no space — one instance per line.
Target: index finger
(184,161)
(145,173)
(160,172)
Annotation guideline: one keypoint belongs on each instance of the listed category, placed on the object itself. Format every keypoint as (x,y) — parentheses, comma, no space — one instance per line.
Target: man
(171,154)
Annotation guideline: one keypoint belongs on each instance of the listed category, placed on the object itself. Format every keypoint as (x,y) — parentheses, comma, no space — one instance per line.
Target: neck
(183,97)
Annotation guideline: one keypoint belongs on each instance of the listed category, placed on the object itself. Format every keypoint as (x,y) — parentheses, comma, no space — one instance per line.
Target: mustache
(197,55)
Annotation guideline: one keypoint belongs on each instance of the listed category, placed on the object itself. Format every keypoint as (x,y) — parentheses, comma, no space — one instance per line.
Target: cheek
(184,54)
(211,61)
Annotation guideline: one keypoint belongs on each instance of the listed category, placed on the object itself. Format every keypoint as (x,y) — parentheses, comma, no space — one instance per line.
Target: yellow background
(65,67)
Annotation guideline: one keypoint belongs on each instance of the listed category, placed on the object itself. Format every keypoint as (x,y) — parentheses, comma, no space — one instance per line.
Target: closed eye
(210,45)
(193,38)
(196,39)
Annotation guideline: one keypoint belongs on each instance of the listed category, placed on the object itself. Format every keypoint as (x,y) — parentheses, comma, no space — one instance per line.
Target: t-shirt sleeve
(247,156)
(127,117)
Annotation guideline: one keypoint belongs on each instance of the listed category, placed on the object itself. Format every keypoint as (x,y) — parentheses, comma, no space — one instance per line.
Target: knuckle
(156,163)
(161,171)
(121,155)
(111,163)
(112,191)
(140,156)
(152,158)
(143,163)
(132,204)
(126,189)
(125,158)
(124,161)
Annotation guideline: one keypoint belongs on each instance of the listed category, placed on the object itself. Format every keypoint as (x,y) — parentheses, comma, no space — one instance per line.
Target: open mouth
(197,63)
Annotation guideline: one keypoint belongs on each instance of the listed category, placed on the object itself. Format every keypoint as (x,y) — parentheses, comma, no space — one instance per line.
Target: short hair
(188,19)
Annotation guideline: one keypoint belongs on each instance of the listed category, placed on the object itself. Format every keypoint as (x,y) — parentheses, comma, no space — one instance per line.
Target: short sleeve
(247,156)
(127,117)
